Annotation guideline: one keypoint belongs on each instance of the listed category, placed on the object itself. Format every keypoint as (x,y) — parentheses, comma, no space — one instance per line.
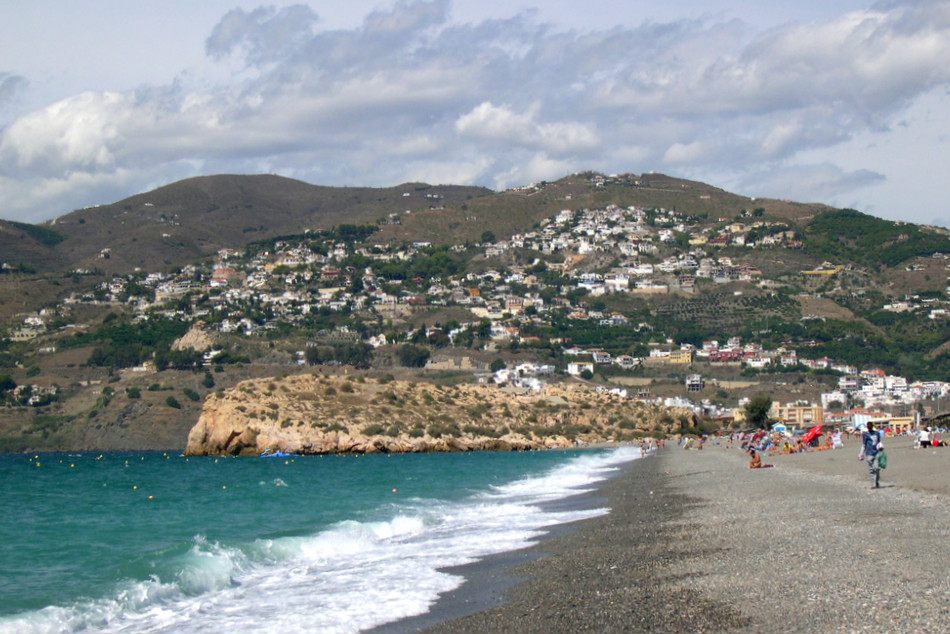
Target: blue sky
(846,102)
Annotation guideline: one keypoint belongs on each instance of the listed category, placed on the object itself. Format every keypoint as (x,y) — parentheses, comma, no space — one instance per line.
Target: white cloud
(502,126)
(685,153)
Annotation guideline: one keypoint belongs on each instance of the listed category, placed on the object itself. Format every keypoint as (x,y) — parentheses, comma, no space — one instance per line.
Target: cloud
(263,35)
(685,153)
(809,183)
(410,94)
(10,85)
(501,125)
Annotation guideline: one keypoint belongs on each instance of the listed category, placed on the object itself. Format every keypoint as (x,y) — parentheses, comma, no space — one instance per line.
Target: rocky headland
(317,414)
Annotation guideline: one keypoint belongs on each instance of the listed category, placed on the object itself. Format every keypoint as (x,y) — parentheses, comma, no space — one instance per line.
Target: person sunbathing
(756,462)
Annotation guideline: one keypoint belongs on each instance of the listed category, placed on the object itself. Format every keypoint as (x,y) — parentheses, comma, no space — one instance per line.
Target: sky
(845,103)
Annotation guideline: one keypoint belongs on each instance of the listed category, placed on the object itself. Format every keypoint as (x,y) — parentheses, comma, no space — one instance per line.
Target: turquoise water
(158,542)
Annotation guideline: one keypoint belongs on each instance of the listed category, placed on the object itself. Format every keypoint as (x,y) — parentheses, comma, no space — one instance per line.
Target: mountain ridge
(192,218)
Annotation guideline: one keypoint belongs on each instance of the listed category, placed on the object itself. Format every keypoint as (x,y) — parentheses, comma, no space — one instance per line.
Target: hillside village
(590,272)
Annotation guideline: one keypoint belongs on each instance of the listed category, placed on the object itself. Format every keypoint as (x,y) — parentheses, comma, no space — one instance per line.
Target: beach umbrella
(813,433)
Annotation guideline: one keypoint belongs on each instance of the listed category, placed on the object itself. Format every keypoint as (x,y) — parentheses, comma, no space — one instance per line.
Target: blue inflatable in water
(267,453)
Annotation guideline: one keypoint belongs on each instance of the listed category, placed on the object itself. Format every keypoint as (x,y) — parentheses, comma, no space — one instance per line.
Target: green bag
(882,460)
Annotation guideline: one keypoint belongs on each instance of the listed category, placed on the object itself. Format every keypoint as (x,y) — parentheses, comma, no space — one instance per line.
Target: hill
(194,218)
(29,248)
(117,323)
(308,414)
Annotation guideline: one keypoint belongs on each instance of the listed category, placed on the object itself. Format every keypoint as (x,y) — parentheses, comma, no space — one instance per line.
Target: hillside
(194,218)
(29,248)
(119,323)
(191,219)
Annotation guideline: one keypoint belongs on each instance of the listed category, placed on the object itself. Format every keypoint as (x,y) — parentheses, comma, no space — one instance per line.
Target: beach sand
(698,542)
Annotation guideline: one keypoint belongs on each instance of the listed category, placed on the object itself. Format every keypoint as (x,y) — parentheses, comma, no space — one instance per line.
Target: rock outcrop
(314,414)
(197,338)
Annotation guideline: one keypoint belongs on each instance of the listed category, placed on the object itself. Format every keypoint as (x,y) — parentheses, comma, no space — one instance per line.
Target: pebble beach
(698,542)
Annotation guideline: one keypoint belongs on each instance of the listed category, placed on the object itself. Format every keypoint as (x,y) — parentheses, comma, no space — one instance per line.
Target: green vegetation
(847,234)
(123,345)
(346,233)
(413,356)
(757,411)
(357,354)
(42,235)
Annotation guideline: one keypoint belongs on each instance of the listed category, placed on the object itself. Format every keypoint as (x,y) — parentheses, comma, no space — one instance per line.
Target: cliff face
(309,414)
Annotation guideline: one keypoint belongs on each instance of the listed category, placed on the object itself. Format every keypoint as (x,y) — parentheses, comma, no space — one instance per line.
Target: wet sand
(698,542)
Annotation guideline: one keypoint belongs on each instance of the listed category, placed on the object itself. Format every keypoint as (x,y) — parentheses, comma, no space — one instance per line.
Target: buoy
(135,487)
(394,490)
(150,497)
(224,486)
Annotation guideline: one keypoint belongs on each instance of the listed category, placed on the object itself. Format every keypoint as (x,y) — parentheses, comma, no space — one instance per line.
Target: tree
(497,364)
(7,384)
(757,411)
(413,356)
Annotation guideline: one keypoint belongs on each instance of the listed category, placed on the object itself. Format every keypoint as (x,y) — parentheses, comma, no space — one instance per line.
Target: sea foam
(351,576)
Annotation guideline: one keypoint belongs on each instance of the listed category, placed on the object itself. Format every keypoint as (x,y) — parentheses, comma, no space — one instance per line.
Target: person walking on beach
(872,446)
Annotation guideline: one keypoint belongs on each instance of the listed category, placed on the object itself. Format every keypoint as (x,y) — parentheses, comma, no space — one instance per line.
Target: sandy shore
(697,542)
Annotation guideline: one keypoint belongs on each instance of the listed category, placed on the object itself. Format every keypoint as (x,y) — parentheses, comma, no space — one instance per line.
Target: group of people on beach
(928,438)
(872,445)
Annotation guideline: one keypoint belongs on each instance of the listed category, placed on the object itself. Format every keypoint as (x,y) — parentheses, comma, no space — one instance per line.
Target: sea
(159,542)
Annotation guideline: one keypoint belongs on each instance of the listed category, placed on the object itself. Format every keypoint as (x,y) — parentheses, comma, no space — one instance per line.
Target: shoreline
(696,541)
(488,581)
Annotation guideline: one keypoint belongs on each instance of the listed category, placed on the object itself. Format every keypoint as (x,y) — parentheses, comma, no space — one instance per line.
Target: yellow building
(681,357)
(900,423)
(798,415)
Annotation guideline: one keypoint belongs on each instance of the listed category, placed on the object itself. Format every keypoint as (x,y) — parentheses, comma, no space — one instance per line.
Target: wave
(351,576)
